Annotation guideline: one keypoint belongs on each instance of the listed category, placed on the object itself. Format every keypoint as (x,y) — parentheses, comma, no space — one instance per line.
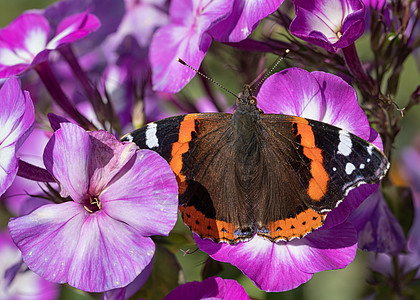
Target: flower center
(93,205)
(339,34)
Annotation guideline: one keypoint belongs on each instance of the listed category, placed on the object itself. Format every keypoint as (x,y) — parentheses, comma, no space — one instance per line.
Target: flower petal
(323,97)
(23,39)
(147,189)
(48,238)
(108,157)
(269,265)
(377,227)
(243,20)
(25,284)
(186,38)
(169,43)
(17,115)
(341,106)
(109,254)
(328,23)
(354,198)
(74,28)
(211,288)
(8,167)
(17,119)
(322,250)
(67,156)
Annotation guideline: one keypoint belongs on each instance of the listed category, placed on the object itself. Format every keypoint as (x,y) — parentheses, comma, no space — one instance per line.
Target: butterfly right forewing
(322,164)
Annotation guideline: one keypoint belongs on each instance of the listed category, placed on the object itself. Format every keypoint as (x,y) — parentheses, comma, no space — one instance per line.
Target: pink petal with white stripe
(109,254)
(156,197)
(74,28)
(17,118)
(244,18)
(67,156)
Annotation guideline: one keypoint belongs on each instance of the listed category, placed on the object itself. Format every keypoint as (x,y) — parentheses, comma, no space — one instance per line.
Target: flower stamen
(94,204)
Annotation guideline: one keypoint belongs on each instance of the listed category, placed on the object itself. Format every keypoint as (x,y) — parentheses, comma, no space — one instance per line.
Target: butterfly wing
(199,149)
(307,169)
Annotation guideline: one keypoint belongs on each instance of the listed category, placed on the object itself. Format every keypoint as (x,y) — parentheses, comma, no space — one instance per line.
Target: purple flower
(17,118)
(409,261)
(285,265)
(328,23)
(193,24)
(101,239)
(128,46)
(244,18)
(186,36)
(377,227)
(22,284)
(26,41)
(211,288)
(109,13)
(147,15)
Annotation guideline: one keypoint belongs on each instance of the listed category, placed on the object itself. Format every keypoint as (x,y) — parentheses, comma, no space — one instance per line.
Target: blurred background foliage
(346,284)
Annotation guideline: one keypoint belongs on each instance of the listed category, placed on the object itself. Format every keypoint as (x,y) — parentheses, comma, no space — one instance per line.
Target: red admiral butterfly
(249,173)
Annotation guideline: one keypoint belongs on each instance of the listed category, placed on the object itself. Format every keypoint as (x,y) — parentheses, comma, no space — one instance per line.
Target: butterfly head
(246,100)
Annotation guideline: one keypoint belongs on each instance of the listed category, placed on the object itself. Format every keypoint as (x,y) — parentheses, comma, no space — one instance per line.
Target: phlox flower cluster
(88,208)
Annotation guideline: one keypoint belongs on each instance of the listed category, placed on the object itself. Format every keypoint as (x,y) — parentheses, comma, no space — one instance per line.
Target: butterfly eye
(253,101)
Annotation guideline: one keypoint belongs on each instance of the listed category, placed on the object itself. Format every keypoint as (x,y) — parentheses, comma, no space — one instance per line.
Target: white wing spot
(129,137)
(362,166)
(370,149)
(151,137)
(350,168)
(344,147)
(334,169)
(368,160)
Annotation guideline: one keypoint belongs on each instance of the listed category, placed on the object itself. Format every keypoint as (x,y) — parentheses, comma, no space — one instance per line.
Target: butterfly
(247,173)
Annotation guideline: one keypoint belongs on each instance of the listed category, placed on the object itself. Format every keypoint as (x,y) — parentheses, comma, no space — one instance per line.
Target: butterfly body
(250,173)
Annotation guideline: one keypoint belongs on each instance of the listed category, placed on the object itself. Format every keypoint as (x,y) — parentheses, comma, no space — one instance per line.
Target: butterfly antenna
(205,76)
(271,69)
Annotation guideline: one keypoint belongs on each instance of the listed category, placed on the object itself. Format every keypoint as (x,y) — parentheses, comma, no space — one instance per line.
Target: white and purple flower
(120,197)
(245,16)
(285,265)
(193,24)
(26,41)
(17,118)
(186,36)
(328,23)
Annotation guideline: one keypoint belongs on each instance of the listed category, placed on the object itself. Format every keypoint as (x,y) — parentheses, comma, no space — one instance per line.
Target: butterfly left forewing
(323,161)
(198,147)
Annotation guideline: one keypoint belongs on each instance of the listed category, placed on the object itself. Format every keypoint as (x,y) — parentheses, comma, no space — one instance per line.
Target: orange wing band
(319,182)
(187,127)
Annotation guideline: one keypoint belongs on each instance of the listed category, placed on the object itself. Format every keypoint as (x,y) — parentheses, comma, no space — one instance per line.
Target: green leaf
(164,276)
(71,293)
